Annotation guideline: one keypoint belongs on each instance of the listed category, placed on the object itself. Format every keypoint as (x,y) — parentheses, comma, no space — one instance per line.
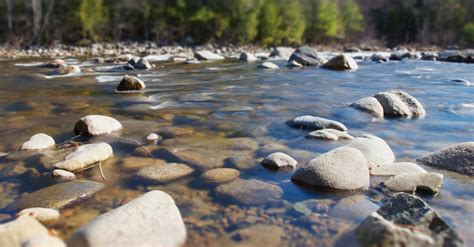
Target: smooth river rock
(63,175)
(329,135)
(38,142)
(269,65)
(16,233)
(458,158)
(315,123)
(370,105)
(96,125)
(43,215)
(410,182)
(130,83)
(376,151)
(341,62)
(207,55)
(142,63)
(249,192)
(65,69)
(220,175)
(307,56)
(152,219)
(279,160)
(400,104)
(85,156)
(164,173)
(406,220)
(396,168)
(343,168)
(58,195)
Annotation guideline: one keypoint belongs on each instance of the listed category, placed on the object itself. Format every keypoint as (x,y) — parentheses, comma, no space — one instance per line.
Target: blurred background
(262,22)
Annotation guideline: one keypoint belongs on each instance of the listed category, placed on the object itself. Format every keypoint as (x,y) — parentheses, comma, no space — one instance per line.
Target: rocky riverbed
(235,146)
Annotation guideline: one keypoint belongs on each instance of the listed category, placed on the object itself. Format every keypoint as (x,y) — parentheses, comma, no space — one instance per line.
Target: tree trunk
(37,16)
(9,15)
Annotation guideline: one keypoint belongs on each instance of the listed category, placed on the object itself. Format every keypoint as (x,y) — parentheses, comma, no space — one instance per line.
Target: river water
(209,103)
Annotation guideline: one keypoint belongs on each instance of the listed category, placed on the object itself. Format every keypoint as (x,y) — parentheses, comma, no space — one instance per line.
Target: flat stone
(38,142)
(63,175)
(307,56)
(339,169)
(85,156)
(279,160)
(207,55)
(95,125)
(410,182)
(396,168)
(269,65)
(16,233)
(370,105)
(249,192)
(315,123)
(376,151)
(130,83)
(400,104)
(458,158)
(341,62)
(43,215)
(406,220)
(57,196)
(220,175)
(329,135)
(149,220)
(164,173)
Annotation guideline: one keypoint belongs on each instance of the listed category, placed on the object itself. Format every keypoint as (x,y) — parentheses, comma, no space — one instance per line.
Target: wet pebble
(329,135)
(315,123)
(164,173)
(396,168)
(279,160)
(269,65)
(220,175)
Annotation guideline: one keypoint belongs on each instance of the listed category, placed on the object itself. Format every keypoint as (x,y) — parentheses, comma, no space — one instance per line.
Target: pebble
(207,55)
(63,175)
(329,135)
(376,151)
(246,56)
(164,173)
(130,83)
(43,215)
(65,69)
(307,56)
(220,175)
(19,231)
(315,123)
(370,105)
(341,62)
(396,168)
(400,104)
(279,160)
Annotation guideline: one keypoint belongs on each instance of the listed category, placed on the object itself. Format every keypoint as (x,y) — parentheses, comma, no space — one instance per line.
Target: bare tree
(9,15)
(37,16)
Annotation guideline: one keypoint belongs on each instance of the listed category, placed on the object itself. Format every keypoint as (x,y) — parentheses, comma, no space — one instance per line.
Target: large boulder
(341,62)
(207,55)
(457,158)
(370,105)
(95,125)
(343,168)
(152,219)
(249,192)
(38,141)
(400,104)
(410,182)
(315,123)
(406,220)
(57,196)
(130,83)
(85,156)
(376,151)
(307,56)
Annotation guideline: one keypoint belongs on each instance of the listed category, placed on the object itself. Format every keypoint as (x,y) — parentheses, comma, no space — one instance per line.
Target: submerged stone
(249,192)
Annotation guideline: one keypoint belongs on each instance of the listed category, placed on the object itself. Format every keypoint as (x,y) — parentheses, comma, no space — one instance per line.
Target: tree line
(265,22)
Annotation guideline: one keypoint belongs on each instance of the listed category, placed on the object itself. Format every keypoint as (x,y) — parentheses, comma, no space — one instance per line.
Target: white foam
(108,78)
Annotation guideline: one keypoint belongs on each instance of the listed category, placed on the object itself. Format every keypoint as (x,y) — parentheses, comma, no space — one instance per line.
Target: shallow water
(215,101)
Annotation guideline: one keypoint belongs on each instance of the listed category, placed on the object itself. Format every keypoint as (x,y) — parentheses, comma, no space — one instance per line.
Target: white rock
(294,64)
(279,160)
(65,69)
(410,182)
(341,62)
(150,220)
(44,241)
(370,105)
(400,104)
(153,137)
(269,65)
(95,125)
(246,56)
(376,151)
(316,123)
(396,168)
(207,55)
(329,134)
(19,231)
(38,141)
(63,175)
(85,156)
(43,215)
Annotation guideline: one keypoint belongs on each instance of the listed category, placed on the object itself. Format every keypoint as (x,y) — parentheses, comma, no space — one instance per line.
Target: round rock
(410,182)
(130,83)
(43,215)
(164,173)
(220,175)
(269,65)
(376,151)
(329,135)
(400,104)
(341,62)
(38,141)
(65,69)
(95,125)
(370,105)
(396,168)
(279,160)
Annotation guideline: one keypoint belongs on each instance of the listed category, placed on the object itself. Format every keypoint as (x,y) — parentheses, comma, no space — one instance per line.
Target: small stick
(102,172)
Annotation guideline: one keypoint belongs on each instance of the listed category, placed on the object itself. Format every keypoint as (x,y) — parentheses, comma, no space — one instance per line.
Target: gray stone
(246,56)
(16,233)
(142,63)
(57,196)
(406,220)
(457,158)
(315,123)
(370,105)
(410,182)
(279,160)
(400,104)
(340,169)
(85,156)
(43,215)
(376,151)
(164,173)
(95,125)
(307,56)
(207,55)
(130,83)
(65,69)
(282,52)
(249,192)
(396,168)
(220,175)
(341,62)
(150,220)
(379,58)
(38,142)
(329,135)
(269,65)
